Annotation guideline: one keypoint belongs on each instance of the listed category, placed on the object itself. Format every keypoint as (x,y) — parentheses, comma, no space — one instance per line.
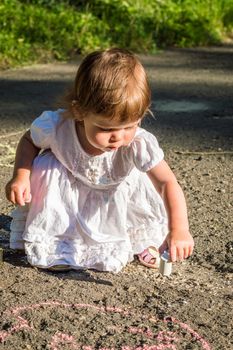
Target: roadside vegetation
(44,30)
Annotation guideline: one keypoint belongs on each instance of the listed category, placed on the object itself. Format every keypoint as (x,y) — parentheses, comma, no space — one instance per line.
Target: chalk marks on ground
(58,325)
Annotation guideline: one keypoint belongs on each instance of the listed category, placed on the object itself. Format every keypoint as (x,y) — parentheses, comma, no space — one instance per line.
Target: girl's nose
(117,135)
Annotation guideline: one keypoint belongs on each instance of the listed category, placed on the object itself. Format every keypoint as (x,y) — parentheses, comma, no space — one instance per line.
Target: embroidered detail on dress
(92,174)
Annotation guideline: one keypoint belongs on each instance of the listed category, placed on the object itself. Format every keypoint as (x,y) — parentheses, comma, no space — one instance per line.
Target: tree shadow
(29,97)
(218,57)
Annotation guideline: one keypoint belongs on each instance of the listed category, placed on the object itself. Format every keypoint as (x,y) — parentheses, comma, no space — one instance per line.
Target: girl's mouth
(111,148)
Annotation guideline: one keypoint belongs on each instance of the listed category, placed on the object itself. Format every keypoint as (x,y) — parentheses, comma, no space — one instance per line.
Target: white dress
(89,211)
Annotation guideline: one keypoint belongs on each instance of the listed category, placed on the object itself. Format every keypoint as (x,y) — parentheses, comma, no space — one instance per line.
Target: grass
(44,30)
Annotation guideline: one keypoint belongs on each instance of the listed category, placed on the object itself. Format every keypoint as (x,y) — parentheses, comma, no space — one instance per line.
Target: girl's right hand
(18,190)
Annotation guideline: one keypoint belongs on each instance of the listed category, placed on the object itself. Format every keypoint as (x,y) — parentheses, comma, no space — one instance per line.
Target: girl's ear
(75,111)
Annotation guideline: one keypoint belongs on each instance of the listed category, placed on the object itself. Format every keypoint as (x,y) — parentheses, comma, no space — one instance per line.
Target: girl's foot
(150,257)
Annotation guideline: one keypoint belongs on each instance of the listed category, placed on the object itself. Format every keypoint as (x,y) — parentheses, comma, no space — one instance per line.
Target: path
(192,94)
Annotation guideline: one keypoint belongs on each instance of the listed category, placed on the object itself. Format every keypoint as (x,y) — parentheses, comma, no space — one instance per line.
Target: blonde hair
(111,83)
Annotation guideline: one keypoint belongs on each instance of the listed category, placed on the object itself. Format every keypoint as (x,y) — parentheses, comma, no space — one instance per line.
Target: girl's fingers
(191,250)
(11,197)
(19,198)
(173,253)
(27,196)
(186,252)
(180,254)
(18,192)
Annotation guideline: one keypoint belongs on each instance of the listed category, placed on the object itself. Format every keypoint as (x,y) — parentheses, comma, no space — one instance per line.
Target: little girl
(92,187)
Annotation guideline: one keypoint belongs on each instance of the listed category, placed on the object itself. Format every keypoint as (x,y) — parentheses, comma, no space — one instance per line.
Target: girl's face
(104,135)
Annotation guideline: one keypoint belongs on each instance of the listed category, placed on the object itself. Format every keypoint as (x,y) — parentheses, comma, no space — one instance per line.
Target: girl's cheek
(100,138)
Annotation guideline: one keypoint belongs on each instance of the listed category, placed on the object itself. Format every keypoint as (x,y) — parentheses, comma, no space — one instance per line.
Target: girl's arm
(18,188)
(179,240)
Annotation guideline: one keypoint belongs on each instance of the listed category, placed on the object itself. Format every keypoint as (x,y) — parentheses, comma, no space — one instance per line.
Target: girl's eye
(132,127)
(110,130)
(106,130)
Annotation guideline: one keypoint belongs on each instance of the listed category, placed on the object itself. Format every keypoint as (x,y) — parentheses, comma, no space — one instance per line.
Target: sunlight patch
(179,106)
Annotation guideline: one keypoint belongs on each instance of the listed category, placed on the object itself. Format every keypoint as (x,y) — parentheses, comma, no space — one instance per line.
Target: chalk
(163,340)
(165,266)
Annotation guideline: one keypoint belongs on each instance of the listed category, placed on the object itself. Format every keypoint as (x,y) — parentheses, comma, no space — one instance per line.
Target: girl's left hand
(180,244)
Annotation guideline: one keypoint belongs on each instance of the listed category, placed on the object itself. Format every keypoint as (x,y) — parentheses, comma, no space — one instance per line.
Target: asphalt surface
(137,308)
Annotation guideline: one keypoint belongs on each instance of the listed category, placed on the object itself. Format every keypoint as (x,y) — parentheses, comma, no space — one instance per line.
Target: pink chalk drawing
(61,339)
(164,340)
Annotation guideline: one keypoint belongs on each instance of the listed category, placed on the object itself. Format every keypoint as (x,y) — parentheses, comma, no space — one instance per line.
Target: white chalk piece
(165,266)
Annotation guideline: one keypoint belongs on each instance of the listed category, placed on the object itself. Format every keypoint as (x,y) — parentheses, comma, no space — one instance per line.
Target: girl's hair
(111,83)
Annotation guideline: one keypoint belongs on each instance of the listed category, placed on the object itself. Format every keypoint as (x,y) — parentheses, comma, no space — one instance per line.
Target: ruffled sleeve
(145,149)
(43,129)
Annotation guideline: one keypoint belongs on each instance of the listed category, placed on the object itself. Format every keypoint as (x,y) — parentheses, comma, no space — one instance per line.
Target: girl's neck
(86,146)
